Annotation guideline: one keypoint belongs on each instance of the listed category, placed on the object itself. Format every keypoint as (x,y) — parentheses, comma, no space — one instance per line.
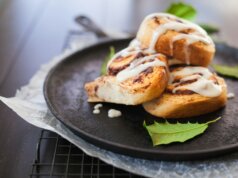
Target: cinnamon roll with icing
(177,38)
(139,74)
(191,91)
(134,76)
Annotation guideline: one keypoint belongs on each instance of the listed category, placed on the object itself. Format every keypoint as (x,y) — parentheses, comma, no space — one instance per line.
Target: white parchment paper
(30,105)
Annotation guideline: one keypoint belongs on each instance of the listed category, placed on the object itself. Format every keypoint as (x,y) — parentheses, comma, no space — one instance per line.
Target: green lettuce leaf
(165,133)
(182,10)
(226,70)
(109,56)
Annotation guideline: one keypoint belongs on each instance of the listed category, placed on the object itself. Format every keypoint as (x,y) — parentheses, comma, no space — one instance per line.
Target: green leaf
(187,11)
(210,29)
(165,133)
(109,56)
(226,70)
(182,10)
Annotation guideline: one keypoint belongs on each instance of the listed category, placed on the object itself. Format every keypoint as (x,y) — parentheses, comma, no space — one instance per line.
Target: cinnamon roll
(191,91)
(134,76)
(177,38)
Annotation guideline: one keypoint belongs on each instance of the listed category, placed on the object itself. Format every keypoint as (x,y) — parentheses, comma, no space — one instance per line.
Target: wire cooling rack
(58,158)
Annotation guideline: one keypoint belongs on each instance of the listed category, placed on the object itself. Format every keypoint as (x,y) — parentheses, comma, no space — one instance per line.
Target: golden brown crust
(148,85)
(199,53)
(91,89)
(120,62)
(171,105)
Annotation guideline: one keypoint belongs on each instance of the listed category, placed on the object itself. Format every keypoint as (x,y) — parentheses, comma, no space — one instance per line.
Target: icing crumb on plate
(230,95)
(96,111)
(97,108)
(114,113)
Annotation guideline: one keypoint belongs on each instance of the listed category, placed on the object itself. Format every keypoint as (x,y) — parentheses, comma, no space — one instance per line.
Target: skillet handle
(90,25)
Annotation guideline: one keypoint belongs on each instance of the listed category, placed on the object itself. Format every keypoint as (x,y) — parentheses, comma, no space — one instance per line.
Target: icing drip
(139,65)
(114,113)
(190,39)
(176,24)
(191,77)
(125,52)
(96,111)
(172,25)
(193,70)
(230,95)
(97,108)
(202,85)
(134,43)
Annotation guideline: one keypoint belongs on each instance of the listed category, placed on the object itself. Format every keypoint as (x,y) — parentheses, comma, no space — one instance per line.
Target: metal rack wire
(58,158)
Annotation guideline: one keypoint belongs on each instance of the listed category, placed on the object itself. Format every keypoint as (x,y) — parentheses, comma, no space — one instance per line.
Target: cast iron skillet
(67,100)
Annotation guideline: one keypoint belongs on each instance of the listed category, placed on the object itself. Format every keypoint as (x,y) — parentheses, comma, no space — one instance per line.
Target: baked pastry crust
(197,53)
(170,105)
(148,85)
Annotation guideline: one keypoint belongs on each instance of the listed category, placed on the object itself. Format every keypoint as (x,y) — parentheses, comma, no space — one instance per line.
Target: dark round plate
(66,98)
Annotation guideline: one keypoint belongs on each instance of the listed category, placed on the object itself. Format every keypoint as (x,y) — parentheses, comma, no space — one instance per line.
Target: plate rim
(116,147)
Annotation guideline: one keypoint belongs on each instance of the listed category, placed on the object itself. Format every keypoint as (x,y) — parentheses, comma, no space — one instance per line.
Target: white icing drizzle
(135,43)
(199,34)
(171,25)
(190,38)
(191,77)
(130,50)
(133,48)
(202,85)
(96,111)
(198,29)
(193,70)
(97,108)
(137,66)
(230,95)
(114,113)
